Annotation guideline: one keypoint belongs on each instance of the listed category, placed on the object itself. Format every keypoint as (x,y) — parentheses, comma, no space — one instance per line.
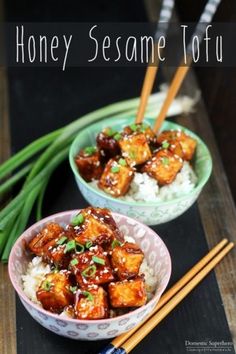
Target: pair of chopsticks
(163,23)
(127,341)
(181,71)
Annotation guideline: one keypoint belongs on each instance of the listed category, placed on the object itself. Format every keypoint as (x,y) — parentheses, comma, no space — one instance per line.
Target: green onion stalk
(45,155)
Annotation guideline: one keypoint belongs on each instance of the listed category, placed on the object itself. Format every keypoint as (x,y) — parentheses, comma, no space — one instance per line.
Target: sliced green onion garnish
(89,271)
(47,285)
(115,169)
(88,295)
(98,260)
(144,126)
(89,150)
(88,244)
(73,289)
(74,262)
(132,154)
(110,132)
(115,243)
(61,240)
(70,246)
(165,144)
(165,161)
(117,136)
(133,127)
(77,220)
(56,270)
(122,162)
(79,248)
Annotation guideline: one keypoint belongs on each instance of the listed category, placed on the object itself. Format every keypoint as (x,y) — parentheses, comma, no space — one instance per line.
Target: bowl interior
(155,251)
(202,162)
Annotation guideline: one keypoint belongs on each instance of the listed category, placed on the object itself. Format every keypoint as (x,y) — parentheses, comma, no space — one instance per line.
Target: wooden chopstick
(118,341)
(163,23)
(205,18)
(146,91)
(168,307)
(179,76)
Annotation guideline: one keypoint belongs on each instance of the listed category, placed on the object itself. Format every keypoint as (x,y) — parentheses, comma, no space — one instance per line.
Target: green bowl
(150,213)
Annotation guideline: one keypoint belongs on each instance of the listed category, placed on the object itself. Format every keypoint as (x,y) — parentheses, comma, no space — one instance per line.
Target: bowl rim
(101,194)
(24,297)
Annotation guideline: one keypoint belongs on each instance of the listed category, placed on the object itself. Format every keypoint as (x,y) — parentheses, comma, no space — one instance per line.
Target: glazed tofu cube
(107,143)
(127,293)
(97,226)
(54,252)
(141,128)
(91,267)
(172,145)
(164,166)
(188,144)
(50,232)
(89,164)
(135,148)
(54,292)
(116,177)
(91,304)
(126,260)
(167,136)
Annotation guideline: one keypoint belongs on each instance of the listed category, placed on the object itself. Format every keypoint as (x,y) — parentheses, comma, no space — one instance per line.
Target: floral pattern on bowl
(155,252)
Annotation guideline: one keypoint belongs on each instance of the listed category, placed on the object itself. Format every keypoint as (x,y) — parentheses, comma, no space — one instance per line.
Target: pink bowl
(157,256)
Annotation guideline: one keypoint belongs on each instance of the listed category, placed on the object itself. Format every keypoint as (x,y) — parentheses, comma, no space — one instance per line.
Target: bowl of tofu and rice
(127,168)
(89,274)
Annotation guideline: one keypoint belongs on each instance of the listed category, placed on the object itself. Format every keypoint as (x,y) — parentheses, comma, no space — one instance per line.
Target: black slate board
(44,99)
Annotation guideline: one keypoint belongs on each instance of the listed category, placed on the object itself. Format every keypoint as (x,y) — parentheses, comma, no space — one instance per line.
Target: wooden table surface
(217,210)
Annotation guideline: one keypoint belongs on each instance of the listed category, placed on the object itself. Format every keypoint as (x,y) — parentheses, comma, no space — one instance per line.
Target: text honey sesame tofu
(91,304)
(116,177)
(163,166)
(188,144)
(126,260)
(89,164)
(54,292)
(128,293)
(141,128)
(135,148)
(91,267)
(50,232)
(96,225)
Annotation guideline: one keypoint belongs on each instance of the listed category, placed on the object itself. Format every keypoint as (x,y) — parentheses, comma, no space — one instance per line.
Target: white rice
(144,188)
(150,277)
(35,273)
(37,269)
